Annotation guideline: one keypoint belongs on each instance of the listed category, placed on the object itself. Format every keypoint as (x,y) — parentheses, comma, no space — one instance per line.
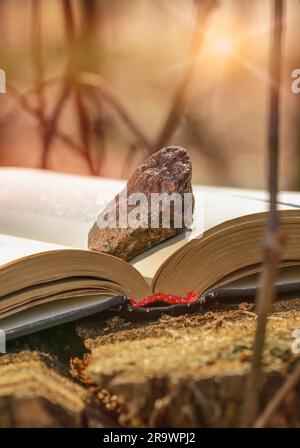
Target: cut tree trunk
(176,371)
(191,370)
(36,391)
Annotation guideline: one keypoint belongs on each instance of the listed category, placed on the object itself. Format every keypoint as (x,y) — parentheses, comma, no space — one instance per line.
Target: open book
(48,275)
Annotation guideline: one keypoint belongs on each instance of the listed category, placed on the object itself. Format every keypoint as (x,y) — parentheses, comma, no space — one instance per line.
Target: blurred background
(94,86)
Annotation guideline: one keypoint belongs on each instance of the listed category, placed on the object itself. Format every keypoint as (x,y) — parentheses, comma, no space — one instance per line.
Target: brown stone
(167,171)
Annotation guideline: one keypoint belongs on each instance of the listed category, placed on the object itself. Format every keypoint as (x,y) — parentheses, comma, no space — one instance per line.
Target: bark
(177,371)
(191,371)
(35,392)
(38,390)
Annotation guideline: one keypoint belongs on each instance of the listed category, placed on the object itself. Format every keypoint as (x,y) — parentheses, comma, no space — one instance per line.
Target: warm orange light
(223,46)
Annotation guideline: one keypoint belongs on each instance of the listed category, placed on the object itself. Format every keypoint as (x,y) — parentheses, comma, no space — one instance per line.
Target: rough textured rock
(167,171)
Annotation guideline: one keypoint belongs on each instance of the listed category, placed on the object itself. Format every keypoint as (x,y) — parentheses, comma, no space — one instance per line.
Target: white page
(13,248)
(61,208)
(213,206)
(52,207)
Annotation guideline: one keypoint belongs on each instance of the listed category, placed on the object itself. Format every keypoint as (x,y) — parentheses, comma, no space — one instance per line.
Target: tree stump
(34,393)
(36,386)
(191,370)
(176,371)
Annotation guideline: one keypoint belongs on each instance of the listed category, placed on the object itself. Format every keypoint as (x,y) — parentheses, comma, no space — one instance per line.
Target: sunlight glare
(223,46)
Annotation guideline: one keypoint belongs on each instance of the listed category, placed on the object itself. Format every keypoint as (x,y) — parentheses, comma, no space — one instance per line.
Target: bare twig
(89,105)
(27,107)
(44,83)
(53,122)
(84,126)
(97,127)
(131,157)
(69,79)
(83,118)
(22,100)
(107,92)
(74,80)
(204,9)
(36,39)
(89,25)
(48,127)
(277,399)
(70,34)
(273,241)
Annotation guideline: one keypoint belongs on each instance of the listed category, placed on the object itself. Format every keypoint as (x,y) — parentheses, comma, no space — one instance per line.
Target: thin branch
(44,83)
(273,241)
(107,92)
(204,9)
(27,107)
(90,118)
(66,88)
(73,70)
(36,42)
(277,399)
(22,100)
(84,126)
(68,140)
(97,127)
(53,122)
(48,127)
(129,159)
(70,30)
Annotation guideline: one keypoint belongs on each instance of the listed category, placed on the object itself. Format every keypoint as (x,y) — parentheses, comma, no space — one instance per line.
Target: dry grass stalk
(278,398)
(204,10)
(53,122)
(36,41)
(107,92)
(75,80)
(74,68)
(274,238)
(90,20)
(84,127)
(48,126)
(24,102)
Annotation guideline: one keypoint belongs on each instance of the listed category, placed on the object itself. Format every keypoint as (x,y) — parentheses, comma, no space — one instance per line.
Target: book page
(52,207)
(61,208)
(13,248)
(213,206)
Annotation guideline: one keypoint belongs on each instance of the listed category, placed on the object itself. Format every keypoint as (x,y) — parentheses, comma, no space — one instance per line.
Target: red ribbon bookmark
(166,298)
